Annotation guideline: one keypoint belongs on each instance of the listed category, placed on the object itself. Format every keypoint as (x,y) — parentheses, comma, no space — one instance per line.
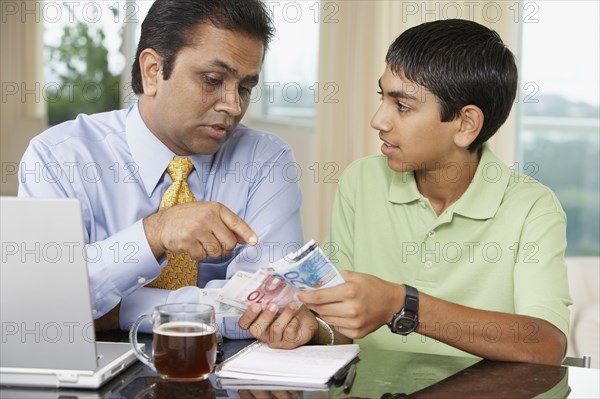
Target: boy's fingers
(249,316)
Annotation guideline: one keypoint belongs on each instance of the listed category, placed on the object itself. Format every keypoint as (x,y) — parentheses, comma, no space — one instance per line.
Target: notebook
(48,337)
(309,366)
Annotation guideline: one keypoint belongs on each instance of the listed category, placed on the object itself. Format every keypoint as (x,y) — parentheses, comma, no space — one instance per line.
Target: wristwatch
(407,319)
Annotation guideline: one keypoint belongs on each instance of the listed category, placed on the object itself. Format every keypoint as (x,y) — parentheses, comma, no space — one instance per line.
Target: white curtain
(354,38)
(23,107)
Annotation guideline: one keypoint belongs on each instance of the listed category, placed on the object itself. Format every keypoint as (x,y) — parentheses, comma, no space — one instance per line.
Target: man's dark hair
(462,63)
(169,23)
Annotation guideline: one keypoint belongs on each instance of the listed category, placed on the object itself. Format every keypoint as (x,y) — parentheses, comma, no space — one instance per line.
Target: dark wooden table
(380,374)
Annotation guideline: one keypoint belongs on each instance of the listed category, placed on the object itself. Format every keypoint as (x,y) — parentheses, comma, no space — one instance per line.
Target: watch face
(404,324)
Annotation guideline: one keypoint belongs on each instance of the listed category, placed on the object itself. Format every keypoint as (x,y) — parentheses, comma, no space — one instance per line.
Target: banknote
(210,296)
(245,289)
(226,316)
(307,269)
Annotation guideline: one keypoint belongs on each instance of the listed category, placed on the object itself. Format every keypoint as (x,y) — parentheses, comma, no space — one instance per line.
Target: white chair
(584,361)
(584,284)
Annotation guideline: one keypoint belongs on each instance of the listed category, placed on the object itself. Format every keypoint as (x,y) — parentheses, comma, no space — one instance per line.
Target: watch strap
(408,312)
(411,299)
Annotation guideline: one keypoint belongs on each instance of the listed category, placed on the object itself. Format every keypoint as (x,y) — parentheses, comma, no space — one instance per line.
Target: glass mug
(184,341)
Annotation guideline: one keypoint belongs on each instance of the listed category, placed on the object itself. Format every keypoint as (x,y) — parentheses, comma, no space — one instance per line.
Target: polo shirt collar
(149,154)
(486,191)
(403,188)
(482,198)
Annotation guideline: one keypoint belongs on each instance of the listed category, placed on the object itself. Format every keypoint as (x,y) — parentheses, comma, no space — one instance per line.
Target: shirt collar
(482,198)
(150,155)
(403,188)
(486,191)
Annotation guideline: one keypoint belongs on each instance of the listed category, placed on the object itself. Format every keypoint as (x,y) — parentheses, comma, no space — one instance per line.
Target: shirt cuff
(118,266)
(144,300)
(216,284)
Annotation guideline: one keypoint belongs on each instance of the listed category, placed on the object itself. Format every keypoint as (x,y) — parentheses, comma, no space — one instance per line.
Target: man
(175,179)
(444,245)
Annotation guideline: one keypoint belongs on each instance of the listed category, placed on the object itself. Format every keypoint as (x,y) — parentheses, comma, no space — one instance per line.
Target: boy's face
(409,124)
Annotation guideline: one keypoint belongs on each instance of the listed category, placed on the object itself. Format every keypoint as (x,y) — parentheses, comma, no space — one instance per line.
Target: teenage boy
(446,249)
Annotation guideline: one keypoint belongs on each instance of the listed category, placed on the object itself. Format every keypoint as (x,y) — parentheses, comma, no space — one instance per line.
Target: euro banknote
(305,269)
(245,289)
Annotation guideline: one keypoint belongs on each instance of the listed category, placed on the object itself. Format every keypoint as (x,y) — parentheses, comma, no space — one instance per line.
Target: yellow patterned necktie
(181,270)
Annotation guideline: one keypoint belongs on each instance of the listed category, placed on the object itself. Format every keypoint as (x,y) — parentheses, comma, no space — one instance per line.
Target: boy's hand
(359,306)
(292,328)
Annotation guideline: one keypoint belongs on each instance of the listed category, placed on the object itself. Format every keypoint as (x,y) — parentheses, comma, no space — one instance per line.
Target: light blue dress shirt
(116,167)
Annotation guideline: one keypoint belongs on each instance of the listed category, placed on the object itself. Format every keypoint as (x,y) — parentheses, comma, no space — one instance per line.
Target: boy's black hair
(462,63)
(168,25)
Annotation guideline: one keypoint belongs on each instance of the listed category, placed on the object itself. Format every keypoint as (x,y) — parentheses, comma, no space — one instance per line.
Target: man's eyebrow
(223,65)
(398,94)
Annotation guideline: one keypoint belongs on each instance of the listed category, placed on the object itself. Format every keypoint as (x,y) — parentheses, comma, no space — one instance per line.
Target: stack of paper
(310,366)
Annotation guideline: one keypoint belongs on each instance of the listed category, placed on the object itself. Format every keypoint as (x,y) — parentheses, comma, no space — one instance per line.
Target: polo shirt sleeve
(540,274)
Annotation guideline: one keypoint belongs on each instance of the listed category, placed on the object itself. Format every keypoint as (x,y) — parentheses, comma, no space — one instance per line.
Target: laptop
(117,387)
(48,337)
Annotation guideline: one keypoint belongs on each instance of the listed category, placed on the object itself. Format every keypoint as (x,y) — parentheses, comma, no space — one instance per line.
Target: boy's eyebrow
(223,65)
(397,94)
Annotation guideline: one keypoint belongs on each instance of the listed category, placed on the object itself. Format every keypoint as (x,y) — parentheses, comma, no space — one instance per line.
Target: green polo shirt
(500,247)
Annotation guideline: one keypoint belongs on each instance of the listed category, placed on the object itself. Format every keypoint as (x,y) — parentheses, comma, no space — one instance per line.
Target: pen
(350,378)
(308,250)
(341,374)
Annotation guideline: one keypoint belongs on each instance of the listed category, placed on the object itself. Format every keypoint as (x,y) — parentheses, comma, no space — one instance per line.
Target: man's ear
(471,122)
(151,69)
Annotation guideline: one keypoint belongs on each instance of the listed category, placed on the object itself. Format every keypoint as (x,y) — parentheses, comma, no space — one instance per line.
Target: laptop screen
(45,301)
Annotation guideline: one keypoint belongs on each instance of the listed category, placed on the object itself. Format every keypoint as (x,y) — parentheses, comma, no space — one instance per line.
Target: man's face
(409,124)
(207,93)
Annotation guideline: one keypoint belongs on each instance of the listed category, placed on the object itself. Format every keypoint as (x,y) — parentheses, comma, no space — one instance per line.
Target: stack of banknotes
(307,269)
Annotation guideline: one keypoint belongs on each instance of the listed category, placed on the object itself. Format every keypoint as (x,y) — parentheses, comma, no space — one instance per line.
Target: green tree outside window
(83,82)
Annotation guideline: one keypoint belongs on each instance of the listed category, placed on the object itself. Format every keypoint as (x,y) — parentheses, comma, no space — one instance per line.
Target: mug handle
(134,341)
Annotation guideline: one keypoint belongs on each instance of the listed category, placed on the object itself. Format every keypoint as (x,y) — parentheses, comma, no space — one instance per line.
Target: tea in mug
(184,350)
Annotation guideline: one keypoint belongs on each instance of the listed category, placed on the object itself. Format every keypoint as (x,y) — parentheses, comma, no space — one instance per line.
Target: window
(289,86)
(559,132)
(82,42)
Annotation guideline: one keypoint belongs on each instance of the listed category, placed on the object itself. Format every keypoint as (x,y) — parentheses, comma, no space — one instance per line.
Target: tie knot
(179,168)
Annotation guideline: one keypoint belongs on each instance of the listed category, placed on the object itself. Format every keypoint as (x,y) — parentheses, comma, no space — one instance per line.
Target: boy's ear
(151,69)
(471,122)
